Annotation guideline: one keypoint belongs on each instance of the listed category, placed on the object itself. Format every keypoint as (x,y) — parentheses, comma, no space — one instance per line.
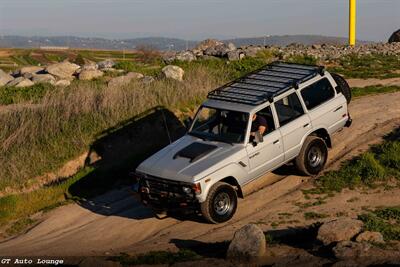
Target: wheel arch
(324,135)
(235,184)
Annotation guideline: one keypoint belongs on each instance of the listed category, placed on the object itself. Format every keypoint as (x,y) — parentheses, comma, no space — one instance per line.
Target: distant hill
(160,43)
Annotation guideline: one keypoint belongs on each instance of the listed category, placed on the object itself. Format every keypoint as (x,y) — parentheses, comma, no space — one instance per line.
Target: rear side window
(288,109)
(317,93)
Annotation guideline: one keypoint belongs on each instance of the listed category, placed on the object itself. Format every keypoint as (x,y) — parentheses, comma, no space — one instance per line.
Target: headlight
(187,190)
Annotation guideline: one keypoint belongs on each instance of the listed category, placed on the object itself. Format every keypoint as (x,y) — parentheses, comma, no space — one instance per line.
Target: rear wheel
(313,156)
(344,87)
(221,203)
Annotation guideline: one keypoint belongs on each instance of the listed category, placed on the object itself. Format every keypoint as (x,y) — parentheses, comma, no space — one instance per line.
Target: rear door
(326,109)
(293,121)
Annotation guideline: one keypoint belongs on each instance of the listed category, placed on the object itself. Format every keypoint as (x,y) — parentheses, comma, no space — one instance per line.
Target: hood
(188,159)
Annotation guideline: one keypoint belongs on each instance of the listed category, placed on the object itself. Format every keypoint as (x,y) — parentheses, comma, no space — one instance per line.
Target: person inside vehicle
(259,123)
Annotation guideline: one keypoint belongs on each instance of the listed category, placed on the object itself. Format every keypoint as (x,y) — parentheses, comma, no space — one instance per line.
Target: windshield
(220,125)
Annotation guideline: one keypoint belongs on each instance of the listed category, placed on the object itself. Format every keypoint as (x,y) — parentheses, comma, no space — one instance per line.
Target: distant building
(54,47)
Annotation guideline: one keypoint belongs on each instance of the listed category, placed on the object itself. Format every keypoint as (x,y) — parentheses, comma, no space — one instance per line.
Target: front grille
(159,185)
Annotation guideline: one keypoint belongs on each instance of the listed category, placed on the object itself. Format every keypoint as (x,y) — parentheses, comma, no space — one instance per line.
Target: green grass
(302,59)
(14,95)
(158,257)
(368,66)
(370,169)
(383,220)
(372,90)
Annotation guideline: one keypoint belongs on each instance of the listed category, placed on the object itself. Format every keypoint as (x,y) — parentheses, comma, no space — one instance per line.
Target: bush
(385,220)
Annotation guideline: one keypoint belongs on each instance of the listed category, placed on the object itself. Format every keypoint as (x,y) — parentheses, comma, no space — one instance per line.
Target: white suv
(297,107)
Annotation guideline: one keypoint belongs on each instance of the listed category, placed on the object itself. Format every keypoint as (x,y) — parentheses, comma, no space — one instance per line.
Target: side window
(288,109)
(264,115)
(317,93)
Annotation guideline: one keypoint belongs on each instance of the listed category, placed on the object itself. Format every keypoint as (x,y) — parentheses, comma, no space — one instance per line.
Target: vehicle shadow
(107,187)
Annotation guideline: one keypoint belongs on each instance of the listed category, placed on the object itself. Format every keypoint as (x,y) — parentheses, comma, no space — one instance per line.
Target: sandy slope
(117,222)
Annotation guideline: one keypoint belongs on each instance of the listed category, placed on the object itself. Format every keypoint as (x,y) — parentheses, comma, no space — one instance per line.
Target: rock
(63,70)
(217,51)
(28,75)
(350,250)
(231,46)
(63,83)
(173,72)
(204,45)
(204,262)
(90,66)
(367,236)
(395,38)
(105,64)
(248,243)
(20,82)
(88,75)
(235,55)
(185,56)
(251,51)
(112,70)
(148,79)
(339,230)
(30,69)
(125,79)
(5,78)
(43,78)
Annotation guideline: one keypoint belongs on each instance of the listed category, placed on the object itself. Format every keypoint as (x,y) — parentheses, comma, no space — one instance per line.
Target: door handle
(306,125)
(254,155)
(337,109)
(276,142)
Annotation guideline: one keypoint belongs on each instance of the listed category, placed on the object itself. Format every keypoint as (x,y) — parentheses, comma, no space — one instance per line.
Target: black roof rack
(265,83)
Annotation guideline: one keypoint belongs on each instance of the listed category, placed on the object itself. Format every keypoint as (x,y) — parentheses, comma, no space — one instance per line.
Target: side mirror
(258,138)
(188,122)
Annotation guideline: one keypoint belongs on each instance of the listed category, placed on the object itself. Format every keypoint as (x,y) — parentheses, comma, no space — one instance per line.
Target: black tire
(223,212)
(344,87)
(313,156)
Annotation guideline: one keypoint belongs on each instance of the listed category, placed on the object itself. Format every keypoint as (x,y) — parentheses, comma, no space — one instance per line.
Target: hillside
(159,43)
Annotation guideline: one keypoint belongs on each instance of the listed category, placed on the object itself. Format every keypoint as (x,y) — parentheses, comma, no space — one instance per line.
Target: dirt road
(117,222)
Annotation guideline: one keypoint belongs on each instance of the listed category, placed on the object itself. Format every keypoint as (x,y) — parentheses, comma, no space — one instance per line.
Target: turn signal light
(197,188)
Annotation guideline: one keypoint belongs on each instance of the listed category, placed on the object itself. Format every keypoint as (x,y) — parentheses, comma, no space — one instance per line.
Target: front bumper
(166,195)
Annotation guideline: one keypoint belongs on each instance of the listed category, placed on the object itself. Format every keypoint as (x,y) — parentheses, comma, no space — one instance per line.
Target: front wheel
(221,203)
(313,156)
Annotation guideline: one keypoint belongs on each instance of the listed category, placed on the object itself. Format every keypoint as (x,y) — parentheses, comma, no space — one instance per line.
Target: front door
(268,154)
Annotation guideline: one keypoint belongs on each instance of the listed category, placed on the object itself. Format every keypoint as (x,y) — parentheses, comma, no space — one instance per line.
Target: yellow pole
(352,23)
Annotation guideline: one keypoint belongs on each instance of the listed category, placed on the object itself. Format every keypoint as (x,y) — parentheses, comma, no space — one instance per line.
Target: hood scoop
(195,151)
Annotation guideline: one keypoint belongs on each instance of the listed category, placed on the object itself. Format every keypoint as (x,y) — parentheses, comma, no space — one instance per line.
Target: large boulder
(248,243)
(20,82)
(125,79)
(63,70)
(5,78)
(351,250)
(373,237)
(30,69)
(90,66)
(204,45)
(251,51)
(235,55)
(173,72)
(105,64)
(88,74)
(395,38)
(339,230)
(185,56)
(63,83)
(43,78)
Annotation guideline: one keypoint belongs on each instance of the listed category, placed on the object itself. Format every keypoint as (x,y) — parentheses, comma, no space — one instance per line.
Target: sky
(196,19)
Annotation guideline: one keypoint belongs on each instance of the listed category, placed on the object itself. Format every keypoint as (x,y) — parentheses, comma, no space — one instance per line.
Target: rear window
(317,93)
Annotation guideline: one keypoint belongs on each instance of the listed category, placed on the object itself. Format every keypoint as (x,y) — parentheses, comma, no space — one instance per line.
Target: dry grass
(65,122)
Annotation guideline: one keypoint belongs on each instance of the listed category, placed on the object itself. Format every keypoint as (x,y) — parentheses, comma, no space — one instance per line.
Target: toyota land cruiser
(301,107)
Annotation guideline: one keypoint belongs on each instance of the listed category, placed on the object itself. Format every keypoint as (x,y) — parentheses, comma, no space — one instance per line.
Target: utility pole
(352,22)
